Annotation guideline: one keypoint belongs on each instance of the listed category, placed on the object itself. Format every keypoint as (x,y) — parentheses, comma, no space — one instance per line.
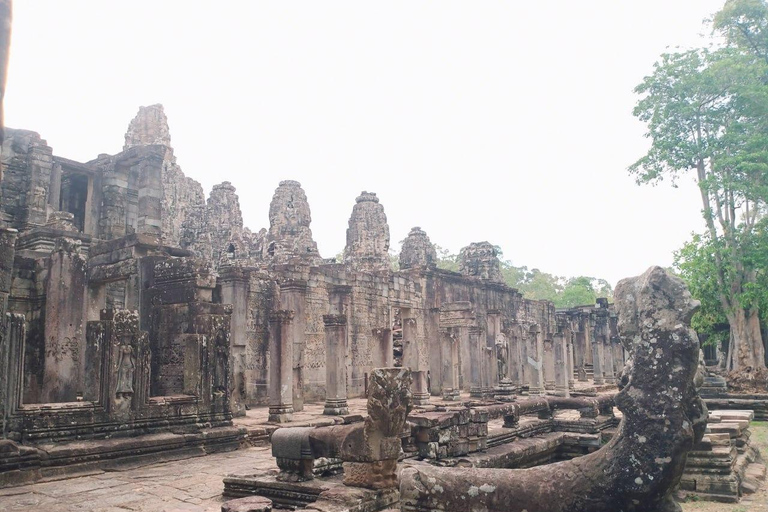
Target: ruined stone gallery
(144,323)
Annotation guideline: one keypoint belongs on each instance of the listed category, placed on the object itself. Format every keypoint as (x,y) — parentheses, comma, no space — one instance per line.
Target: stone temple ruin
(143,320)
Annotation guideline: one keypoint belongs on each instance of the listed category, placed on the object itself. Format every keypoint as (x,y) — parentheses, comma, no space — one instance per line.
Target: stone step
(733,415)
(732,428)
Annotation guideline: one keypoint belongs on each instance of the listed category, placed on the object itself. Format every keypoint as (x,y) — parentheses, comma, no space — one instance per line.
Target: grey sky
(501,121)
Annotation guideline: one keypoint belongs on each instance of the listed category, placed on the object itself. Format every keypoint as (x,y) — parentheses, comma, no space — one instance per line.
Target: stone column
(597,352)
(449,355)
(475,364)
(535,361)
(490,370)
(580,349)
(234,291)
(383,356)
(561,365)
(618,355)
(493,329)
(571,377)
(609,374)
(335,364)
(412,359)
(280,366)
(9,360)
(63,378)
(513,360)
(523,343)
(549,365)
(293,298)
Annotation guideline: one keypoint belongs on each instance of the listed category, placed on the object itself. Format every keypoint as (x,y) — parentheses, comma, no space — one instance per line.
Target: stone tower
(149,127)
(480,259)
(289,218)
(417,251)
(224,219)
(368,235)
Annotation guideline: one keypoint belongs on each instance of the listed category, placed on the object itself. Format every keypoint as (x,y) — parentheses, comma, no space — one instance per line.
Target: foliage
(446,260)
(695,263)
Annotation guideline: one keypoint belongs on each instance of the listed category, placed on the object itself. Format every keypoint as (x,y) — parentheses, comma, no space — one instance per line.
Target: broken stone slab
(732,415)
(248,504)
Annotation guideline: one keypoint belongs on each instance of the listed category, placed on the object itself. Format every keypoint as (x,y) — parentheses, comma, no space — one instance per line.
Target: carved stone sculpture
(639,468)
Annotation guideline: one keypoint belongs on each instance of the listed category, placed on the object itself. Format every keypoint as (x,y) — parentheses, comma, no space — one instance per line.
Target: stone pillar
(513,360)
(609,374)
(571,377)
(476,363)
(383,355)
(597,352)
(293,298)
(549,365)
(535,359)
(63,378)
(234,291)
(561,365)
(9,360)
(525,377)
(280,366)
(618,355)
(493,329)
(412,358)
(335,364)
(490,368)
(580,349)
(449,357)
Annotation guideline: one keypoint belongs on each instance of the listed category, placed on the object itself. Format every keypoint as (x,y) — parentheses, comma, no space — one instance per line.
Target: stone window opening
(231,251)
(74,197)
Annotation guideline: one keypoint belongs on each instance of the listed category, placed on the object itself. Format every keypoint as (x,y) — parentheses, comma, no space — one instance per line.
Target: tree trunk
(748,349)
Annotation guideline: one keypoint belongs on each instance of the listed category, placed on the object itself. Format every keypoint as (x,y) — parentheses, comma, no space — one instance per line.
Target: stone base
(372,475)
(532,391)
(505,391)
(451,395)
(421,399)
(336,407)
(280,414)
(477,392)
(549,385)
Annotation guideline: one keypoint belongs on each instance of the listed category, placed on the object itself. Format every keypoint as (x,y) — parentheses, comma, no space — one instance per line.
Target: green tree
(705,110)
(446,260)
(578,291)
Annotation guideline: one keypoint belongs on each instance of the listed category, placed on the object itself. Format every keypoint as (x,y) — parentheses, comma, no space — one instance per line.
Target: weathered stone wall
(27,162)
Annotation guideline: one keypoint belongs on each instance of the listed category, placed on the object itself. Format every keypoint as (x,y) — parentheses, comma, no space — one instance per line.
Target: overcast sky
(477,120)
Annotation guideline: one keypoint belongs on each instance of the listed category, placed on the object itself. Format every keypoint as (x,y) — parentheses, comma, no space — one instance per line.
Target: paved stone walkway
(190,485)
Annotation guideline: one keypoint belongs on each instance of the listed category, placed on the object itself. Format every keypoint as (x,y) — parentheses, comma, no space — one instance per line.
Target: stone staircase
(724,465)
